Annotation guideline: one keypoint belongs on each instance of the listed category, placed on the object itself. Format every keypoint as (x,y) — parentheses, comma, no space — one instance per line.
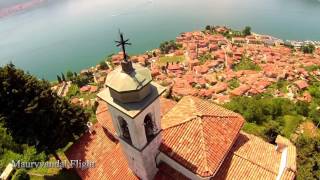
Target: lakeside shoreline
(295,43)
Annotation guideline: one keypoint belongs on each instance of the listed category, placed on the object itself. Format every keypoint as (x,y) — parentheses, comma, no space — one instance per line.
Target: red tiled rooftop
(85,88)
(240,90)
(220,87)
(250,158)
(301,84)
(198,134)
(100,147)
(104,117)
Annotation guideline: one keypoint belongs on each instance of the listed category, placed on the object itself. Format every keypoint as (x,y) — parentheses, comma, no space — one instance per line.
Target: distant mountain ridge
(8,8)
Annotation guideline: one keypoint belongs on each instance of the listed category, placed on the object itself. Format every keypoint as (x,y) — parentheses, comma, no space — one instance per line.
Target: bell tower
(133,101)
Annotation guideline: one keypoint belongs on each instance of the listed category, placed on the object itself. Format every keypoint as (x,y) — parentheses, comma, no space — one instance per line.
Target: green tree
(69,75)
(208,27)
(21,174)
(273,129)
(247,31)
(308,48)
(63,77)
(103,65)
(35,116)
(82,80)
(234,83)
(59,79)
(167,46)
(308,157)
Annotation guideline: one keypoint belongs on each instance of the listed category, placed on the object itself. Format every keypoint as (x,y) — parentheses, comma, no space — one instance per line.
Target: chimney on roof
(282,143)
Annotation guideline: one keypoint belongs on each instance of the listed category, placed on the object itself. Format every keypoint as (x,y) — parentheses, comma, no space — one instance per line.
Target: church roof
(120,81)
(249,156)
(198,134)
(105,151)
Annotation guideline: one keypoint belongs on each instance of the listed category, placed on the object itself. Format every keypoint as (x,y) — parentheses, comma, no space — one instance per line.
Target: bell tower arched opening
(125,134)
(149,127)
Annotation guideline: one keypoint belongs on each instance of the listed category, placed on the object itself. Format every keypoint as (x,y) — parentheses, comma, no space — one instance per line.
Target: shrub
(308,48)
(204,58)
(308,157)
(21,174)
(247,31)
(103,65)
(234,83)
(69,75)
(167,46)
(73,91)
(247,64)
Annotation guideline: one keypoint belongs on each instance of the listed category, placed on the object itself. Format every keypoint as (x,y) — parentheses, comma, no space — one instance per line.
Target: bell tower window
(149,127)
(124,130)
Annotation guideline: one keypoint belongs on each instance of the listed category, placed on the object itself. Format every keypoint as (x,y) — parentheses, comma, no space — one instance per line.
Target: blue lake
(74,34)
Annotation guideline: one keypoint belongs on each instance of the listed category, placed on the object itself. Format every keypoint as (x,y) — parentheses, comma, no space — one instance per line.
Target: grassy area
(45,171)
(281,85)
(204,58)
(87,95)
(60,175)
(291,123)
(234,83)
(247,64)
(73,91)
(253,128)
(54,173)
(312,68)
(32,177)
(170,59)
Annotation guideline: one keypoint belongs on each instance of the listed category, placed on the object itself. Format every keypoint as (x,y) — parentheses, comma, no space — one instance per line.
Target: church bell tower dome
(132,86)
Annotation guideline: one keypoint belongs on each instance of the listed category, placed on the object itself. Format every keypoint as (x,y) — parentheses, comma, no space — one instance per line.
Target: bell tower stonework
(133,102)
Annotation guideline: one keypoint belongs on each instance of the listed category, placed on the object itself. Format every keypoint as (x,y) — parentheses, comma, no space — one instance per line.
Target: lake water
(75,34)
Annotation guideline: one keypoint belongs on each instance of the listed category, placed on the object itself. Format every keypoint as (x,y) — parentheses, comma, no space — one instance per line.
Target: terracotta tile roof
(250,158)
(220,87)
(198,134)
(288,175)
(104,117)
(85,88)
(301,84)
(110,163)
(168,173)
(166,105)
(104,149)
(240,90)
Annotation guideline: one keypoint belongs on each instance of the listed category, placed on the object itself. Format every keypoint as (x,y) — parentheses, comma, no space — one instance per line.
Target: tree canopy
(34,115)
(308,157)
(247,31)
(269,113)
(167,46)
(103,65)
(308,48)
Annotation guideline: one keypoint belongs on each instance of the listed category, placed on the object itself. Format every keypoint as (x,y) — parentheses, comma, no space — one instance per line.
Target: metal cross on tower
(125,64)
(123,44)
